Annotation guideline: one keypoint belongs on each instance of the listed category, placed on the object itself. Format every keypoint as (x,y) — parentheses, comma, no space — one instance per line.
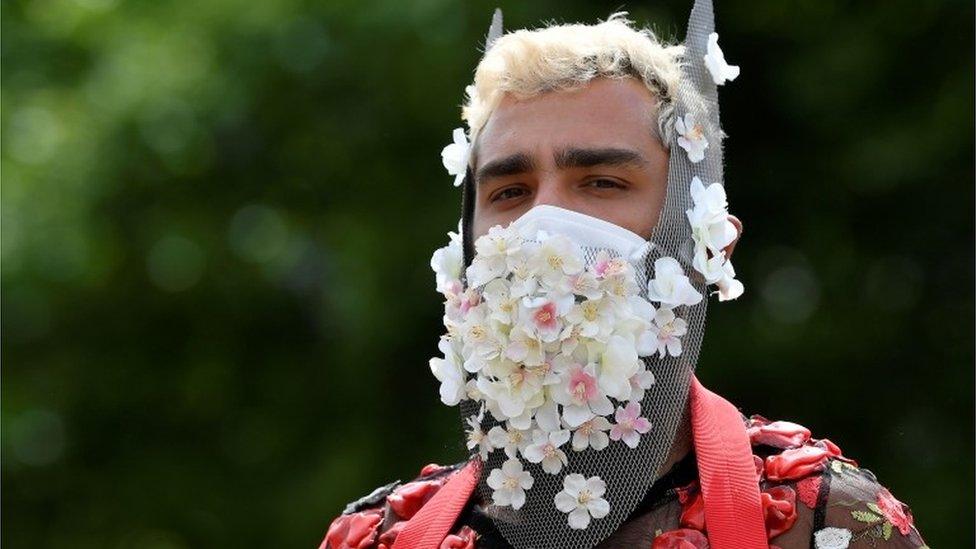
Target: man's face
(593,150)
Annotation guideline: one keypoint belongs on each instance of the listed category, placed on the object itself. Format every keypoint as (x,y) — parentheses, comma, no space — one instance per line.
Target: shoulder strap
(727,473)
(434,520)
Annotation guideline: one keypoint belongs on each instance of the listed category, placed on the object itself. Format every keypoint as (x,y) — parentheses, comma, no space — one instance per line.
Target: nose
(551,193)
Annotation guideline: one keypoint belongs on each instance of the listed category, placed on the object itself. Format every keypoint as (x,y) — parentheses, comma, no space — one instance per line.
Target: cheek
(486,218)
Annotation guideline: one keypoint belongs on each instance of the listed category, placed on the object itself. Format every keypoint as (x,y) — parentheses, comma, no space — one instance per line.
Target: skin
(517,164)
(522,158)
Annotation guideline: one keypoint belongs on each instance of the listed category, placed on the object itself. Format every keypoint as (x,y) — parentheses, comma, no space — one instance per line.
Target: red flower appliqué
(353,531)
(778,434)
(779,509)
(684,538)
(406,500)
(797,462)
(894,511)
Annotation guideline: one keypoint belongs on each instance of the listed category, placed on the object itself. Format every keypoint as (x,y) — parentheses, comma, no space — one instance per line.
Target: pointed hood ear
(495,31)
(701,24)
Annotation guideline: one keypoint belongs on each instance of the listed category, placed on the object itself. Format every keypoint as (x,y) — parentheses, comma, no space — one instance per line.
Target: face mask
(586,231)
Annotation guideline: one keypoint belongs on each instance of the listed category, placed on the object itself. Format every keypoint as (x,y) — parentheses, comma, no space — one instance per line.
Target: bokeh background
(217,217)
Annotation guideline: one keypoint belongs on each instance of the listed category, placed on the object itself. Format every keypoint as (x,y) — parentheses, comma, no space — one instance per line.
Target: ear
(738,233)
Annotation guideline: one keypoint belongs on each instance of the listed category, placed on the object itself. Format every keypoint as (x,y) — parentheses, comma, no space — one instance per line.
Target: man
(594,221)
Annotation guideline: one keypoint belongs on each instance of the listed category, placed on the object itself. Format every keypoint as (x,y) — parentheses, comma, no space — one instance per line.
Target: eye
(509,193)
(605,184)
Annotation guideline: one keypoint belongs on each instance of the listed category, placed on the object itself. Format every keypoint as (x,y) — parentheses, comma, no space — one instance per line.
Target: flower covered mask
(570,343)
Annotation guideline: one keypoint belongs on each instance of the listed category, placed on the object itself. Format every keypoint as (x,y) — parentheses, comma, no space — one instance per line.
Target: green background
(217,217)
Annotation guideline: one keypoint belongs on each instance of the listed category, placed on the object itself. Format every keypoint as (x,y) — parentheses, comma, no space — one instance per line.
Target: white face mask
(584,230)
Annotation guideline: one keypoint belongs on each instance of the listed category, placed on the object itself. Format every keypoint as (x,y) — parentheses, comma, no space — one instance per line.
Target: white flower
(595,318)
(618,363)
(719,271)
(580,396)
(667,329)
(670,287)
(496,252)
(556,258)
(592,434)
(524,347)
(832,538)
(582,498)
(509,484)
(477,438)
(691,137)
(512,440)
(517,389)
(498,296)
(448,263)
(640,382)
(448,371)
(709,219)
(545,449)
(455,156)
(715,62)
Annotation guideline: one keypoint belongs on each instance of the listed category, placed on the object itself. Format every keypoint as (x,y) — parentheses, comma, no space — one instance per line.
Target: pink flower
(630,425)
(683,538)
(545,317)
(582,386)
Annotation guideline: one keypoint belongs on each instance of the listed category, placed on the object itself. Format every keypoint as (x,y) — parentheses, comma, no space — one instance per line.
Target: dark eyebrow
(509,165)
(574,157)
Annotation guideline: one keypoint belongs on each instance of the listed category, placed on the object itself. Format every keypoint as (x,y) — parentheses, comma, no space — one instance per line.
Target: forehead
(604,112)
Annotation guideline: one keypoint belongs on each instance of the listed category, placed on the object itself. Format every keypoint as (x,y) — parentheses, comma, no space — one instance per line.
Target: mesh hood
(627,472)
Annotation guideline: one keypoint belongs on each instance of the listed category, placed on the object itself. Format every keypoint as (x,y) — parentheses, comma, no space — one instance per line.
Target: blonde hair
(526,63)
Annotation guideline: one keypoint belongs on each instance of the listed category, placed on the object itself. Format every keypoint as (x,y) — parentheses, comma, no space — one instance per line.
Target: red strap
(434,520)
(727,473)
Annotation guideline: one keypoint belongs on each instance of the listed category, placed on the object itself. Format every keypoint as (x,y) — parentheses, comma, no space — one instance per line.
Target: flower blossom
(580,396)
(691,137)
(545,450)
(670,287)
(448,371)
(477,437)
(709,218)
(511,440)
(667,330)
(556,258)
(716,64)
(496,253)
(630,425)
(582,498)
(455,156)
(509,484)
(448,262)
(591,434)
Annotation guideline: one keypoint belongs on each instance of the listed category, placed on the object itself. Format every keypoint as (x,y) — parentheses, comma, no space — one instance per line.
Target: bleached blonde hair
(526,63)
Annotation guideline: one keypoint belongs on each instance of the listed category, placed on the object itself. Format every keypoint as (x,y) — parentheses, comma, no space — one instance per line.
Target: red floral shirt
(812,496)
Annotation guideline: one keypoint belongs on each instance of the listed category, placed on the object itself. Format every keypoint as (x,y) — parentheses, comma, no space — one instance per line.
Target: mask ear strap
(467,216)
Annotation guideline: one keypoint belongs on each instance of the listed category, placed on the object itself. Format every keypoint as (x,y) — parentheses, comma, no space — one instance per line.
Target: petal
(574,483)
(565,502)
(599,507)
(579,519)
(518,498)
(596,486)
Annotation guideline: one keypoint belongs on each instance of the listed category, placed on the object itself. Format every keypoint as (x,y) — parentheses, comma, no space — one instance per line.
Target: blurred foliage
(217,218)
